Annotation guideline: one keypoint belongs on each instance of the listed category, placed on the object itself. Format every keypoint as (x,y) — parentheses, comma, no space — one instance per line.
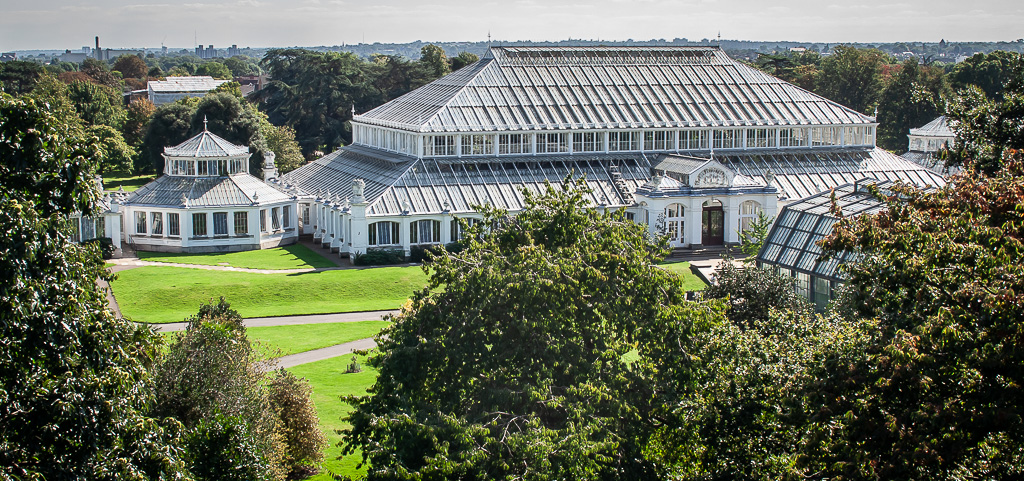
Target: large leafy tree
(131,66)
(315,93)
(911,98)
(20,76)
(97,104)
(852,77)
(938,391)
(74,379)
(511,363)
(990,72)
(435,59)
(986,128)
(170,125)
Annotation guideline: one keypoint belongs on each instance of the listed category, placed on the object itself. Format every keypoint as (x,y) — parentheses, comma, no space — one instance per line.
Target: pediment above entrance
(695,172)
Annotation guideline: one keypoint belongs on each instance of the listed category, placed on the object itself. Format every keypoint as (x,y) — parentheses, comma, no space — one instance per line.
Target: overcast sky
(59,24)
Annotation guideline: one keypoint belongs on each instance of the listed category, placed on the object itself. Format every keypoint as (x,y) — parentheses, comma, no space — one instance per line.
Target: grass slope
(170,294)
(293,339)
(130,183)
(295,256)
(329,382)
(690,280)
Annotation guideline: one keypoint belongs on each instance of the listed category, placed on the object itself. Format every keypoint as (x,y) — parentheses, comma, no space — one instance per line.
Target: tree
(214,69)
(97,104)
(75,386)
(18,77)
(114,153)
(241,66)
(434,58)
(211,380)
(986,129)
(314,93)
(911,98)
(752,293)
(281,141)
(752,238)
(290,396)
(100,73)
(937,393)
(989,72)
(852,77)
(394,76)
(170,125)
(131,66)
(515,368)
(137,117)
(463,59)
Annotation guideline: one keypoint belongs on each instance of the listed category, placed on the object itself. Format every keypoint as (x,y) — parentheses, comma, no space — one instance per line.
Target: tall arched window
(748,214)
(385,233)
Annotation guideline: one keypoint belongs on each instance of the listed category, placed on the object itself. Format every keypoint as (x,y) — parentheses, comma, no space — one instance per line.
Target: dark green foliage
(752,293)
(19,77)
(170,125)
(314,93)
(223,448)
(115,154)
(424,253)
(911,98)
(380,257)
(393,76)
(300,426)
(986,129)
(100,73)
(214,69)
(47,161)
(510,364)
(852,77)
(105,246)
(73,379)
(463,59)
(938,391)
(241,66)
(990,72)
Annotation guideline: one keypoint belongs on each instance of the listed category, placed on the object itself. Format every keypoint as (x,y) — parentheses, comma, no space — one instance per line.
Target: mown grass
(130,183)
(690,280)
(295,256)
(293,339)
(170,294)
(330,382)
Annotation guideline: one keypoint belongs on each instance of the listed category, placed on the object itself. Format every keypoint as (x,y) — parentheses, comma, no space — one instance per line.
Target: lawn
(293,339)
(330,382)
(295,256)
(130,183)
(690,280)
(170,294)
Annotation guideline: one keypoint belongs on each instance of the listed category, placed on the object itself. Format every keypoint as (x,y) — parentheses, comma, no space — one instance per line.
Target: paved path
(706,267)
(321,354)
(292,320)
(131,262)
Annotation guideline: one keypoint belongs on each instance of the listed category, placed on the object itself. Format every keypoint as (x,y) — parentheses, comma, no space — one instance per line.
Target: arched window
(385,233)
(675,224)
(749,211)
(425,232)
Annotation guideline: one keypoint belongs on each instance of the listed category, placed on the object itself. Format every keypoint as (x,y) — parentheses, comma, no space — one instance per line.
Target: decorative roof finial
(204,124)
(353,109)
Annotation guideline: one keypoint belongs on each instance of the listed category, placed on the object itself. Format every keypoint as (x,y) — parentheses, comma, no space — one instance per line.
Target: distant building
(8,57)
(927,142)
(73,57)
(206,201)
(207,52)
(233,51)
(791,247)
(176,88)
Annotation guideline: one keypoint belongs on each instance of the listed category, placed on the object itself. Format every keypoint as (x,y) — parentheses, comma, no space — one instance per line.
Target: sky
(71,24)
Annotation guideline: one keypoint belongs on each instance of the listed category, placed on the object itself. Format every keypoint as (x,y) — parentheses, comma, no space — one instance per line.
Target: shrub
(106,246)
(289,395)
(380,257)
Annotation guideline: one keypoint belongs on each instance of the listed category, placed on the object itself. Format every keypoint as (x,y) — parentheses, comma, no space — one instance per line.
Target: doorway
(713,226)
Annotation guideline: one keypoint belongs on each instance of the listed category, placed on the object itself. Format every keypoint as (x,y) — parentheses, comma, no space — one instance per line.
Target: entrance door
(713,226)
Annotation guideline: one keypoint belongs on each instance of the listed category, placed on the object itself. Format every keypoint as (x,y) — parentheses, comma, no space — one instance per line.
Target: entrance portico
(697,202)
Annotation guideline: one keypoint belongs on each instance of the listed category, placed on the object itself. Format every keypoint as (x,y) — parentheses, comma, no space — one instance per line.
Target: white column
(404,234)
(694,216)
(731,206)
(358,236)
